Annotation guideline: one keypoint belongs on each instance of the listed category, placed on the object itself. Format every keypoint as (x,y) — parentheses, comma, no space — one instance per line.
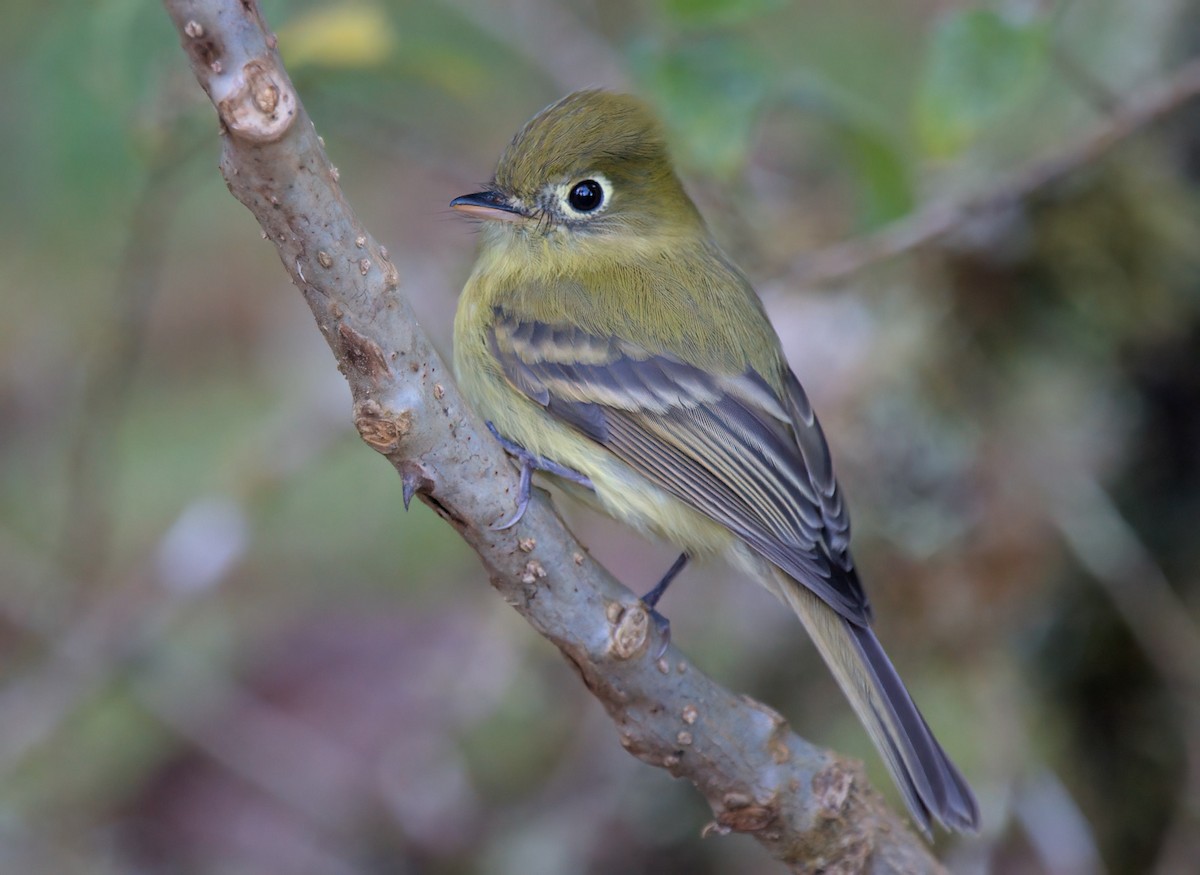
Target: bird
(612,346)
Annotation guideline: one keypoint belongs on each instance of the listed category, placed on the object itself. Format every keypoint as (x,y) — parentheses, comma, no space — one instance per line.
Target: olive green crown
(590,132)
(585,131)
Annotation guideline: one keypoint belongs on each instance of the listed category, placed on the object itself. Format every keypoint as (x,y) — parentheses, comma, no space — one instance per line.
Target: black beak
(487,205)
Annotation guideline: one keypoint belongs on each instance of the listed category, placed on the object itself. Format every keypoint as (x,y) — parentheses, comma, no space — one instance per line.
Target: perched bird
(609,342)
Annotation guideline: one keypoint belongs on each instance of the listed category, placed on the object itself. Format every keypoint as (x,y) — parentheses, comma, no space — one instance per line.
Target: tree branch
(1128,117)
(808,806)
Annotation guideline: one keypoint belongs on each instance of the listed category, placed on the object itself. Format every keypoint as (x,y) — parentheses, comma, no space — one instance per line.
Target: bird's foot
(651,598)
(530,463)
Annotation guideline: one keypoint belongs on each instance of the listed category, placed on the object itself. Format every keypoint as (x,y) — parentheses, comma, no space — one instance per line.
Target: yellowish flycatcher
(610,342)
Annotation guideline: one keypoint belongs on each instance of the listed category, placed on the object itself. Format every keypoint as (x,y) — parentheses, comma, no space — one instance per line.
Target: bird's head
(592,166)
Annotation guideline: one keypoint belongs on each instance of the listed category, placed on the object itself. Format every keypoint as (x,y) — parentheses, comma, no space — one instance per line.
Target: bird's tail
(932,786)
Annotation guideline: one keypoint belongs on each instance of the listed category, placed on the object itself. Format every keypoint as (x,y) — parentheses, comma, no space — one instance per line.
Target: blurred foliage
(345,35)
(226,648)
(979,64)
(712,88)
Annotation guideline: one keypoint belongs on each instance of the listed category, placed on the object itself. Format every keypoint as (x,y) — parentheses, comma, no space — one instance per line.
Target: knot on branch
(831,788)
(363,354)
(631,626)
(742,813)
(259,104)
(382,429)
(204,48)
(844,818)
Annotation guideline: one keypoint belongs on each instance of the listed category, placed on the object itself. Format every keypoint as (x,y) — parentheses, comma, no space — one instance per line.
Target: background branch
(808,806)
(1126,118)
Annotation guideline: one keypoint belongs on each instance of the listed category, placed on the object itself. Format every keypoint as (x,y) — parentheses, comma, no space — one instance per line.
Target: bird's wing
(730,447)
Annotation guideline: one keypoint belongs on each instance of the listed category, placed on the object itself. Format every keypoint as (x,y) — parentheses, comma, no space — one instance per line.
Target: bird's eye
(586,196)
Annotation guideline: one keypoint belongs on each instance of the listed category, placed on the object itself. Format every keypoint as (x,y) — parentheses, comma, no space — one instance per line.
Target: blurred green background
(226,648)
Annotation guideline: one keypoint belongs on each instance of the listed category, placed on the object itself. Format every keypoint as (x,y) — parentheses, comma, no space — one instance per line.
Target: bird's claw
(650,600)
(530,463)
(524,491)
(664,632)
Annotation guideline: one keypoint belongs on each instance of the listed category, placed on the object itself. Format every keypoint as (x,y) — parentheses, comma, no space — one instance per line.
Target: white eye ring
(565,191)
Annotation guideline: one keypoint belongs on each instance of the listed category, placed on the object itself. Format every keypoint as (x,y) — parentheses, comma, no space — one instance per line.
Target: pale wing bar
(725,445)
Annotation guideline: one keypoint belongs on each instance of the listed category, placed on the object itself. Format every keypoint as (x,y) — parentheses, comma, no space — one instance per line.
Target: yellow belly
(620,492)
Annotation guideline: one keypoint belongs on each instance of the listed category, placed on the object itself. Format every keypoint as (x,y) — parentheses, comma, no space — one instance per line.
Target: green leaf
(884,186)
(710,92)
(980,65)
(881,173)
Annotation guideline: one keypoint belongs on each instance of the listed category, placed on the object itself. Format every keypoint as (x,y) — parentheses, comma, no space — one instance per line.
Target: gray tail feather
(932,786)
